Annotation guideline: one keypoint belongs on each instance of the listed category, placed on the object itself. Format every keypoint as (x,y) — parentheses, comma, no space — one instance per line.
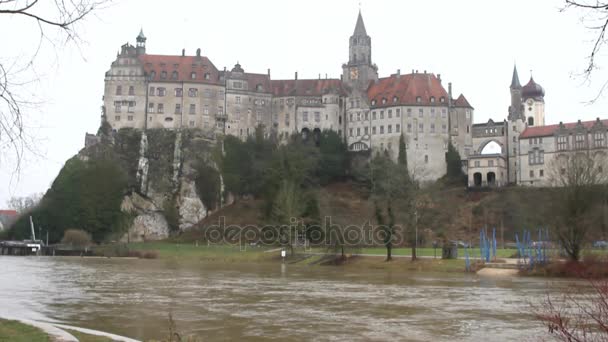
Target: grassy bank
(82,337)
(18,332)
(223,253)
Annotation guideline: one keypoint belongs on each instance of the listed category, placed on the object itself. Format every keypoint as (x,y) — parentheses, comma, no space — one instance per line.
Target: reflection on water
(219,302)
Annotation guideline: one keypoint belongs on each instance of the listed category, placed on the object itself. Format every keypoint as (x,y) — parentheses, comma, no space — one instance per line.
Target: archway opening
(530,121)
(491,178)
(477,178)
(492,148)
(305,133)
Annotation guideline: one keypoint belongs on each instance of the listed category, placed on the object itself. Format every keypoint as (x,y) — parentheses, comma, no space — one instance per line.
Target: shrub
(76,238)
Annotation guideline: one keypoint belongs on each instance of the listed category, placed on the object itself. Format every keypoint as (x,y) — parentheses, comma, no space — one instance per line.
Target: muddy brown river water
(253,301)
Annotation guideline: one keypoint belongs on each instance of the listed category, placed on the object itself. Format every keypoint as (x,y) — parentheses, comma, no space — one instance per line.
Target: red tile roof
(406,88)
(461,101)
(8,212)
(306,87)
(544,131)
(184,65)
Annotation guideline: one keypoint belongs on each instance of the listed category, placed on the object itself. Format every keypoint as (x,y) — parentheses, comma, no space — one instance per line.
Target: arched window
(174,75)
(530,121)
(259,87)
(163,75)
(152,74)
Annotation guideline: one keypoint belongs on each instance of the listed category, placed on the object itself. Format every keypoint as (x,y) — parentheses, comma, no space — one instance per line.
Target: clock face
(354,73)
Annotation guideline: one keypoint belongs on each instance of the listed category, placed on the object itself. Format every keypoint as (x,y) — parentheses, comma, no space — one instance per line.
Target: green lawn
(82,337)
(203,252)
(18,332)
(426,251)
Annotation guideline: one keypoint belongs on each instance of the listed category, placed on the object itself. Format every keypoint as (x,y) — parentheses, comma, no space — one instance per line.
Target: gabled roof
(549,130)
(461,101)
(360,27)
(8,213)
(306,87)
(184,65)
(405,89)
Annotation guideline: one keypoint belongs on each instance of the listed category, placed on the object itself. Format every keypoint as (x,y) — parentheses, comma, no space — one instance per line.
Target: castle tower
(141,43)
(515,125)
(533,96)
(359,70)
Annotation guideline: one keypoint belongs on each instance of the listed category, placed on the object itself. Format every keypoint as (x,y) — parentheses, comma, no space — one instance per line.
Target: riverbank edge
(57,332)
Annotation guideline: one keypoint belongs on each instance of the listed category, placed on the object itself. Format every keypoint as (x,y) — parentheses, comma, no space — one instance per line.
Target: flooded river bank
(133,297)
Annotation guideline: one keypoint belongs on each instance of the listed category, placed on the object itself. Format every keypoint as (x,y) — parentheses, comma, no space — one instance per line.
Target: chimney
(439,77)
(398,72)
(319,75)
(224,69)
(198,52)
(326,76)
(450,90)
(412,71)
(416,70)
(296,77)
(341,78)
(183,52)
(425,72)
(268,72)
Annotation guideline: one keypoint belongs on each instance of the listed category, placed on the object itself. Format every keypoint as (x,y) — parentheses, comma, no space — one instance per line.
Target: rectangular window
(117,118)
(131,90)
(381,114)
(151,92)
(286,119)
(421,128)
(444,128)
(237,85)
(237,99)
(130,118)
(220,94)
(490,163)
(118,90)
(150,107)
(432,128)
(432,112)
(161,108)
(541,173)
(192,109)
(409,127)
(191,123)
(358,131)
(178,108)
(426,158)
(420,113)
(317,117)
(397,112)
(398,128)
(366,116)
(409,112)
(220,110)
(117,107)
(305,117)
(366,130)
(477,163)
(598,139)
(373,115)
(390,129)
(131,107)
(390,114)
(351,132)
(562,143)
(579,142)
(161,91)
(381,129)
(193,92)
(531,173)
(258,116)
(206,110)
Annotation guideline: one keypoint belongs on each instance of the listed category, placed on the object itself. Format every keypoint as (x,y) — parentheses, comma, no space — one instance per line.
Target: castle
(145,91)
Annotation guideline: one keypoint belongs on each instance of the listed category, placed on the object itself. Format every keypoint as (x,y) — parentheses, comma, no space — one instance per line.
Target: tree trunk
(389,250)
(414,256)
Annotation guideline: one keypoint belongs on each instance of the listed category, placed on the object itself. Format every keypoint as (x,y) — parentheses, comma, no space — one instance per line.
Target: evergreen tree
(453,162)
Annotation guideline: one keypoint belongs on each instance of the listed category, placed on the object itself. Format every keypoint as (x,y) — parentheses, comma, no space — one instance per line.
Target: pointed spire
(515,80)
(360,27)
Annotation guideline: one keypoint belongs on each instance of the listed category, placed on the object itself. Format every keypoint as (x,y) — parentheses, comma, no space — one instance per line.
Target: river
(134,297)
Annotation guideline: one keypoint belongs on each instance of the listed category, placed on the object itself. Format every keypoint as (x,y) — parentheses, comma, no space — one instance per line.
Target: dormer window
(383,100)
(163,75)
(259,87)
(193,75)
(207,76)
(418,99)
(394,99)
(432,99)
(174,75)
(152,74)
(373,102)
(118,90)
(442,99)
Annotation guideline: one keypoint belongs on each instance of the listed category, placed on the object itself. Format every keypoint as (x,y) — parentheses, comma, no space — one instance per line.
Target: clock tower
(359,70)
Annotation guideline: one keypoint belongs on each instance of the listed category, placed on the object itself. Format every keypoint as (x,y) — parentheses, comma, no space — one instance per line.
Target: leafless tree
(24,204)
(577,316)
(595,18)
(62,17)
(580,181)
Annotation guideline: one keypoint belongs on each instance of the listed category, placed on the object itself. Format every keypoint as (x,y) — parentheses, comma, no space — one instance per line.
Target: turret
(141,43)
(515,110)
(359,69)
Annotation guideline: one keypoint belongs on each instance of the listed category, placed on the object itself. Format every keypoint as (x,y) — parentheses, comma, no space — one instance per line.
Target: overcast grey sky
(471,43)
